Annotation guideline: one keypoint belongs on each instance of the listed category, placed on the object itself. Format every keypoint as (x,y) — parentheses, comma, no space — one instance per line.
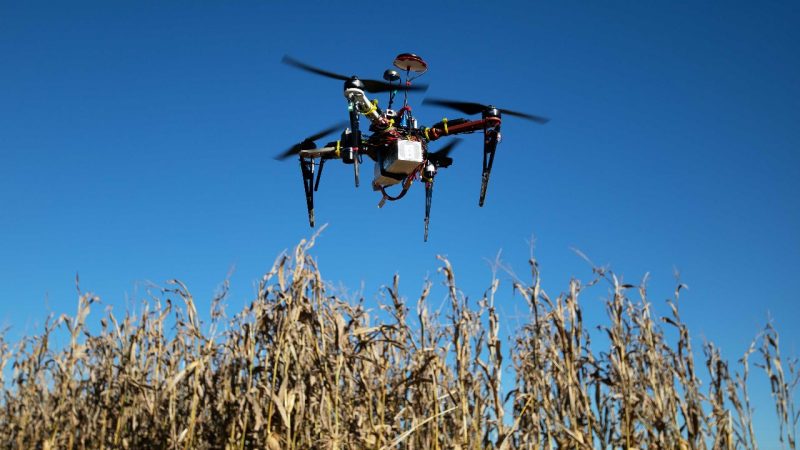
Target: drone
(395,142)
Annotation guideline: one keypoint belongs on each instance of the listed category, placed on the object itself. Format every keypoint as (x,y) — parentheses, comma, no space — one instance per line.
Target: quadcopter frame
(392,129)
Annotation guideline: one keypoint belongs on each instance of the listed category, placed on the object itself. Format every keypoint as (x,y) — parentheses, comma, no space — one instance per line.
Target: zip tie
(373,107)
(444,121)
(338,153)
(426,134)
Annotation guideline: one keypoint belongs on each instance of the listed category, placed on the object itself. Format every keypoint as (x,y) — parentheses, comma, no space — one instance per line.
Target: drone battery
(400,160)
(381,179)
(403,157)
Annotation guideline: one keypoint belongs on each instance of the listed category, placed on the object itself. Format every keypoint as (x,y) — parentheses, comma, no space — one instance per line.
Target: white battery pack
(400,159)
(403,157)
(381,179)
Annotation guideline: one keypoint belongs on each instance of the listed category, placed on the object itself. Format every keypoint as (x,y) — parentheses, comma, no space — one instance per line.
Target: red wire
(402,193)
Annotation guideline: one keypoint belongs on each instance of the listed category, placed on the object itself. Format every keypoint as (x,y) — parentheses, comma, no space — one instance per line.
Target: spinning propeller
(440,157)
(373,86)
(472,108)
(308,143)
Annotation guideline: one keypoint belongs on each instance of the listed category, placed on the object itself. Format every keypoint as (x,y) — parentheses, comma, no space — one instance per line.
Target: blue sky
(137,143)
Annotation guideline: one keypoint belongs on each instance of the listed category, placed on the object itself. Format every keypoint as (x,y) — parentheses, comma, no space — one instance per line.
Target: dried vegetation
(300,368)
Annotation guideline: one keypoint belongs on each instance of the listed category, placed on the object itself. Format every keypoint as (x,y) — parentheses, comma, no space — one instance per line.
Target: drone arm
(366,107)
(438,131)
(328,152)
(491,130)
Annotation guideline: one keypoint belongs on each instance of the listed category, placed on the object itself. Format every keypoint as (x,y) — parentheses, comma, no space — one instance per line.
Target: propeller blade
(444,151)
(440,157)
(327,131)
(373,86)
(534,118)
(295,149)
(308,68)
(472,108)
(308,143)
(464,107)
(376,86)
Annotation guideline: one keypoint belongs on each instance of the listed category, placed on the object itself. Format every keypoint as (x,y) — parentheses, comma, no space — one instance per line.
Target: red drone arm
(472,126)
(491,129)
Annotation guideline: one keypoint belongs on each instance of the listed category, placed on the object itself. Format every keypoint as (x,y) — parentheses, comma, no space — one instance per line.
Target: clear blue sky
(137,143)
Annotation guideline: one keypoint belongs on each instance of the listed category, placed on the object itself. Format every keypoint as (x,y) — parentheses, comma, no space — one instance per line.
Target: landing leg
(307,167)
(428,197)
(356,159)
(319,174)
(489,147)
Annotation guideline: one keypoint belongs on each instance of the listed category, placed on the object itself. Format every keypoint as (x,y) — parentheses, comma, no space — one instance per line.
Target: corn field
(301,368)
